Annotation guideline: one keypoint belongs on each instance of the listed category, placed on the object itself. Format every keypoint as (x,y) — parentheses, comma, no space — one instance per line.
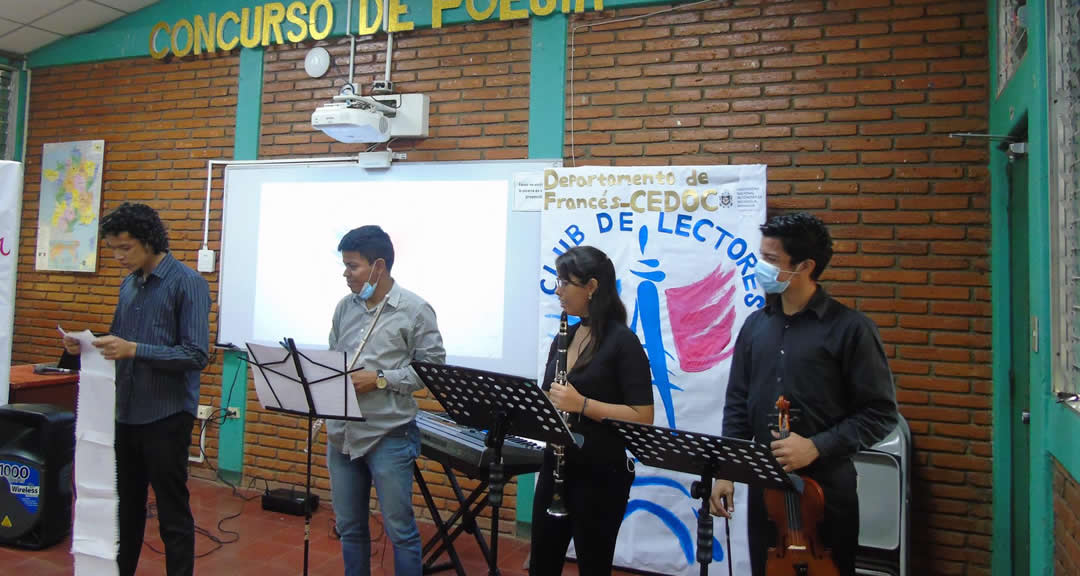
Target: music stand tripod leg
(496,480)
(307,495)
(703,489)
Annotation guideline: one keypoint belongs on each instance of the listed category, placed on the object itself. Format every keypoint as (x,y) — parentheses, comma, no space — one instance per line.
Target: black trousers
(596,495)
(155,454)
(839,531)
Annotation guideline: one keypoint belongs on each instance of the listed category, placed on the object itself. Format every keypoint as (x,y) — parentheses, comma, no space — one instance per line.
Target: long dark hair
(605,307)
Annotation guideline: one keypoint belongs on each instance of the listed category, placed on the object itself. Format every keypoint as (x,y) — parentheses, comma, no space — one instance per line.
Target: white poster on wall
(11,177)
(684,242)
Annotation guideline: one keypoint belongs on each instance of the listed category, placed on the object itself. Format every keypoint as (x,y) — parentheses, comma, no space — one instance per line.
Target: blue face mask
(766,276)
(369,288)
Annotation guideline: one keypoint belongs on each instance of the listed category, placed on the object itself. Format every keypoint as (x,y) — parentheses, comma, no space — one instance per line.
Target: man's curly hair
(139,220)
(804,237)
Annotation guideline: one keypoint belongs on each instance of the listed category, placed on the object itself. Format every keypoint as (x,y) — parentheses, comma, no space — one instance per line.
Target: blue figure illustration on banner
(647,310)
(684,263)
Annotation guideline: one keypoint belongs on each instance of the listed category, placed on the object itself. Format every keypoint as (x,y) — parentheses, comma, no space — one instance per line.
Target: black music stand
(707,457)
(290,381)
(502,405)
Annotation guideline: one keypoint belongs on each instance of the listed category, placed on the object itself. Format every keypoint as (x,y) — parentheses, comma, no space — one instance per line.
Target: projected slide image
(449,239)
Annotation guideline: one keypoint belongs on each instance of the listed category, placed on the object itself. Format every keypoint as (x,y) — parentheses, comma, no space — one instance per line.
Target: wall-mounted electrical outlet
(206,261)
(232,412)
(204,412)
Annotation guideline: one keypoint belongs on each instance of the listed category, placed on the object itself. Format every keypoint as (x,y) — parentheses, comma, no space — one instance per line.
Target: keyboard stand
(503,405)
(443,539)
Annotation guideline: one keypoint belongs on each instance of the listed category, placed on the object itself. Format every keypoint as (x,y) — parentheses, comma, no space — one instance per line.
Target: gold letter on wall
(297,9)
(397,10)
(313,19)
(274,14)
(250,40)
(154,52)
(204,33)
(437,8)
(366,29)
(230,15)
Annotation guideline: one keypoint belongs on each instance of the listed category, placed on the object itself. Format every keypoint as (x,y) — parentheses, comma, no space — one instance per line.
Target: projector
(351,124)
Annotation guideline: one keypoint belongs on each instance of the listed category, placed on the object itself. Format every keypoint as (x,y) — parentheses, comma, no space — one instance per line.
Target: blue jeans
(390,465)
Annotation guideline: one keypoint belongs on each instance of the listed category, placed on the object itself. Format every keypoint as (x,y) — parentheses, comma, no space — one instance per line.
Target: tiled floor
(269,544)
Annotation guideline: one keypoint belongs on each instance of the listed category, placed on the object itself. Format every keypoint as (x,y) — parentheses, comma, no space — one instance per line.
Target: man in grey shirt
(390,327)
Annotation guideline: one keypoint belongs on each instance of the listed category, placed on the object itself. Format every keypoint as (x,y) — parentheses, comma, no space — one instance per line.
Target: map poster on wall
(70,206)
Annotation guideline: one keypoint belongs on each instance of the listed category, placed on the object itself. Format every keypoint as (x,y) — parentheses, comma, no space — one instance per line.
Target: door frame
(1019,346)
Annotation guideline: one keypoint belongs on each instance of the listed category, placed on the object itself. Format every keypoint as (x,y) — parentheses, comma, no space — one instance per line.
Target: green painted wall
(245,147)
(129,37)
(230,460)
(20,115)
(1054,427)
(248,105)
(547,118)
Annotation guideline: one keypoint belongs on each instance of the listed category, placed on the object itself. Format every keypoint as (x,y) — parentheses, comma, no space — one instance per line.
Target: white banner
(11,178)
(684,242)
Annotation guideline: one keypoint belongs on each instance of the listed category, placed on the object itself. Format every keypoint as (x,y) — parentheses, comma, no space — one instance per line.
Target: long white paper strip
(95,535)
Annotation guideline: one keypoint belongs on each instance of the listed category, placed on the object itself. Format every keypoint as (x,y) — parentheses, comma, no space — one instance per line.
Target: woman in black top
(608,376)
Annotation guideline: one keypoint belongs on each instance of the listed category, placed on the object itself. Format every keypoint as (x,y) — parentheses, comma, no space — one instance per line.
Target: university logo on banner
(684,243)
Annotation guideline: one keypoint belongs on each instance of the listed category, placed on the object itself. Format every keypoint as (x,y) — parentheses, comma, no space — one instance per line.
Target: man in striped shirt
(159,338)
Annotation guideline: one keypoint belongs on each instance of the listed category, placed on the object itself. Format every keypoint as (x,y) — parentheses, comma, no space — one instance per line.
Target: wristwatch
(380,380)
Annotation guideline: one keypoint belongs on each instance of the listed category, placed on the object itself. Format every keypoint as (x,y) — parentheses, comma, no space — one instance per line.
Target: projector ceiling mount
(354,119)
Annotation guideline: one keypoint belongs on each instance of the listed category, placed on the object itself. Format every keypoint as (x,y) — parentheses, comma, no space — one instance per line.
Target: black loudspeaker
(37,447)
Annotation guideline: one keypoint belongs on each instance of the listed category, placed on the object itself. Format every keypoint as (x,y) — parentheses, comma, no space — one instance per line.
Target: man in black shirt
(828,361)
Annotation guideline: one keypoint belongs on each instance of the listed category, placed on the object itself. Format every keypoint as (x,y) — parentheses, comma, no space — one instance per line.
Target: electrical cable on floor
(219,416)
(151,512)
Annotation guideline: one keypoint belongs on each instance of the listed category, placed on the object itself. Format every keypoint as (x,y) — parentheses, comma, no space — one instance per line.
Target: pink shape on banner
(702,317)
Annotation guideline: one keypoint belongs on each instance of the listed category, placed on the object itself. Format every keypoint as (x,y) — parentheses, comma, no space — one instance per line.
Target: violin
(796,514)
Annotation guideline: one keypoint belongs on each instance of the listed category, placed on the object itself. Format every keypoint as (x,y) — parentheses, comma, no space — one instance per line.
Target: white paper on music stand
(276,383)
(332,391)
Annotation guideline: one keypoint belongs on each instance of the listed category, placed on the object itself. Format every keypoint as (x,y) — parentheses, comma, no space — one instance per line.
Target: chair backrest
(884,475)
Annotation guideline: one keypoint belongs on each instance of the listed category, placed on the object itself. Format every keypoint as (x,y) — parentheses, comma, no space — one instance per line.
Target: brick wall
(160,122)
(1066,522)
(849,103)
(477,77)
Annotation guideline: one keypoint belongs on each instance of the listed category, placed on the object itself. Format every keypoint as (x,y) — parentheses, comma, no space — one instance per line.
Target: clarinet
(557,508)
